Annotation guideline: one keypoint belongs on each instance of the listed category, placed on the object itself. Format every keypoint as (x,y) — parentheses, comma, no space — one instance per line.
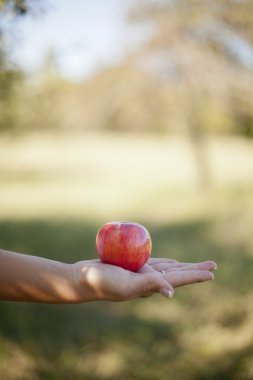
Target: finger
(154,261)
(205,265)
(146,284)
(184,277)
(147,268)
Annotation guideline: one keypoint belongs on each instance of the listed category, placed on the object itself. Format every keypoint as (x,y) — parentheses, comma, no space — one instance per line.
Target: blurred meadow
(164,138)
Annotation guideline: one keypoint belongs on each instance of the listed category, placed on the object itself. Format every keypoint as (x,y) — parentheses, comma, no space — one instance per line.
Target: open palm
(109,282)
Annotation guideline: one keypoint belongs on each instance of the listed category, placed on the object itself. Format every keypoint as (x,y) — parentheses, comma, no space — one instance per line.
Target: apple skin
(125,244)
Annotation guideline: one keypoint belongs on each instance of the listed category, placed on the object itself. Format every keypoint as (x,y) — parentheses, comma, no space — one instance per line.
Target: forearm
(35,279)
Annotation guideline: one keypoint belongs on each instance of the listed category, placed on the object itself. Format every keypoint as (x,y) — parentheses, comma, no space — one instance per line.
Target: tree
(10,75)
(203,52)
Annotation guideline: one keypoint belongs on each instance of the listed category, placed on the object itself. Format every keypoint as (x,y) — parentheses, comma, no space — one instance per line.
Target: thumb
(147,284)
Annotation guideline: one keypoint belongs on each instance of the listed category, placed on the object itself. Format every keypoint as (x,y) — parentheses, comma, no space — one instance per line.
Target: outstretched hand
(27,278)
(94,280)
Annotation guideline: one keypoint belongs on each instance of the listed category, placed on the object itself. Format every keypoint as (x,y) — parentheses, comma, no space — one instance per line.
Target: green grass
(205,332)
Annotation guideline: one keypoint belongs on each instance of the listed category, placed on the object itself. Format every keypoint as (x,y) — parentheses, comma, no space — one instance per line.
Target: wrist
(67,291)
(81,289)
(86,282)
(72,291)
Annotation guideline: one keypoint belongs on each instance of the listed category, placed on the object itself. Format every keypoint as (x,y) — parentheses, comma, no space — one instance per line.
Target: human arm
(36,279)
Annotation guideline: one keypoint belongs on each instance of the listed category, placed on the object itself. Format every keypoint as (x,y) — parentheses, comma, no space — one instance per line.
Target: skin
(35,279)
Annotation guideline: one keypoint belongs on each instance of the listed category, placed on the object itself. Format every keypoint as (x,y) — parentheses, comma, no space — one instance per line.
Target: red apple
(125,244)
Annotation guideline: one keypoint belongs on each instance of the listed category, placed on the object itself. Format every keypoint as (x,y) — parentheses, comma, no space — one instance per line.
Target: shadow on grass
(47,331)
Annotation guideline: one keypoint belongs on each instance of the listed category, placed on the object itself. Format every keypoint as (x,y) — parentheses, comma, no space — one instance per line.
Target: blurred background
(129,110)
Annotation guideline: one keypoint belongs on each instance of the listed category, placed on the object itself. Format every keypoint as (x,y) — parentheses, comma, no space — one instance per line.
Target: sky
(85,35)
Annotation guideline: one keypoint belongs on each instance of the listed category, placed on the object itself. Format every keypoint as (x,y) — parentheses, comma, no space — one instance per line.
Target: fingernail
(167,293)
(212,276)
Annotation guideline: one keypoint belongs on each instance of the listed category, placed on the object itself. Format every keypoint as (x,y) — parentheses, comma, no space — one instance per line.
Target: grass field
(56,191)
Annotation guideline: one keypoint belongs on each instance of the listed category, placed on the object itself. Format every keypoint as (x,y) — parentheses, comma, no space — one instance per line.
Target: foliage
(203,50)
(19,7)
(11,77)
(193,75)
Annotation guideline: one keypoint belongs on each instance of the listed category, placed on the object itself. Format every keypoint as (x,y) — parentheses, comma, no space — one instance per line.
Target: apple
(125,244)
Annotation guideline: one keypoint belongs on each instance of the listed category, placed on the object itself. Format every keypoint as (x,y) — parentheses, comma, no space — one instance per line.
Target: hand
(94,280)
(180,274)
